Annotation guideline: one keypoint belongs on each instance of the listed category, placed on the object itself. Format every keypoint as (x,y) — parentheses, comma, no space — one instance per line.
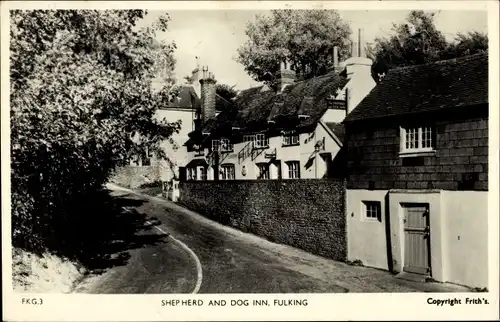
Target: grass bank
(47,273)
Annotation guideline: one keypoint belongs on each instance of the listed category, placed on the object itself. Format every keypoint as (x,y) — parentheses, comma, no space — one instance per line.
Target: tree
(80,92)
(227,94)
(466,44)
(304,37)
(417,41)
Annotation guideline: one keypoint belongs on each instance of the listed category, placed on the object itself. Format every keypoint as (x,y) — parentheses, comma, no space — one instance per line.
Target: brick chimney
(286,76)
(207,83)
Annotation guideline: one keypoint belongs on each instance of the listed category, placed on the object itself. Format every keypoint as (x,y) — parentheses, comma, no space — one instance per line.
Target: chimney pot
(354,49)
(335,56)
(361,43)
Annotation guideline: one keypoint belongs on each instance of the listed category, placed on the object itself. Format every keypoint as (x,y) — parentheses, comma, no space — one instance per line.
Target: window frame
(294,169)
(371,207)
(227,175)
(249,138)
(419,135)
(216,145)
(260,166)
(190,171)
(225,145)
(262,142)
(203,173)
(288,136)
(148,156)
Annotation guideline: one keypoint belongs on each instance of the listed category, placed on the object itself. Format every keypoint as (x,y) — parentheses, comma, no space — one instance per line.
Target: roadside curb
(199,269)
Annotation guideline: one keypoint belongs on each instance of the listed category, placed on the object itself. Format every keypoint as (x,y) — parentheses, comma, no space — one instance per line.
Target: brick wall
(460,163)
(307,214)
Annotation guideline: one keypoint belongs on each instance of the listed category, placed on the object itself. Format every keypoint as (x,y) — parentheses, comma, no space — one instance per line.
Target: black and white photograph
(265,150)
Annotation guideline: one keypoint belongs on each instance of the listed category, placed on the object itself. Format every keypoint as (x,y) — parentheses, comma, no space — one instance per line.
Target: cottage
(293,131)
(417,189)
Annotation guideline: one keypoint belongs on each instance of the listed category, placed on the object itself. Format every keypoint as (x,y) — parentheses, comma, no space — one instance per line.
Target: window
(261,141)
(290,138)
(372,210)
(198,150)
(191,173)
(293,169)
(146,156)
(227,172)
(249,138)
(417,139)
(203,173)
(215,145)
(263,171)
(225,145)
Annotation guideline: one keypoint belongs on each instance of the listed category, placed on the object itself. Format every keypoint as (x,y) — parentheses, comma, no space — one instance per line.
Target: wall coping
(263,181)
(415,191)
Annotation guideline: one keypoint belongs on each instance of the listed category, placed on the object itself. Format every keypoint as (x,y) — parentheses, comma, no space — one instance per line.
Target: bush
(81,103)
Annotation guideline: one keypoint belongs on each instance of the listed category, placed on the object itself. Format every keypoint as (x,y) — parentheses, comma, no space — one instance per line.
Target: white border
(76,307)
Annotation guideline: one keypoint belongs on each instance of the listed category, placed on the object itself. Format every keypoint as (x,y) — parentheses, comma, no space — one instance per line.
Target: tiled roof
(450,83)
(258,107)
(338,129)
(186,98)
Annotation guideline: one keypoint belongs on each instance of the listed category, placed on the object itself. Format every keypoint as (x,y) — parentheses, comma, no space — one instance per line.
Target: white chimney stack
(358,71)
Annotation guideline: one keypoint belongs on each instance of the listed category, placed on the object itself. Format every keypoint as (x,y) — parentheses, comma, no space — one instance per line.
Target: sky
(215,35)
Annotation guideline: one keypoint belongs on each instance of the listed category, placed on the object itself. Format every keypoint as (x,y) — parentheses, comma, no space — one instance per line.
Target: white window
(417,139)
(215,145)
(227,172)
(263,170)
(203,173)
(293,169)
(198,149)
(225,145)
(191,173)
(147,156)
(249,138)
(372,210)
(290,138)
(261,140)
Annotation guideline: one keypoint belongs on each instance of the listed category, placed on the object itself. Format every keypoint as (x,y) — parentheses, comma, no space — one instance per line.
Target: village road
(231,262)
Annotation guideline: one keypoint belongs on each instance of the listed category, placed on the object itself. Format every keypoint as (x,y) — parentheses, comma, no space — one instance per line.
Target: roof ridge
(443,61)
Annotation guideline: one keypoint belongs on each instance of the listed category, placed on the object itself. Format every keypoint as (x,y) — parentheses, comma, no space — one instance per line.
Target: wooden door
(417,239)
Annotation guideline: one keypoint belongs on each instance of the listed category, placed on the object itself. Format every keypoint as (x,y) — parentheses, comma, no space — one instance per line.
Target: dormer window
(215,145)
(222,145)
(261,141)
(290,138)
(417,140)
(226,145)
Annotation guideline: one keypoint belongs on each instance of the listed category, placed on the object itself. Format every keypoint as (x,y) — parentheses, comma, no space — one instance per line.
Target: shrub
(81,102)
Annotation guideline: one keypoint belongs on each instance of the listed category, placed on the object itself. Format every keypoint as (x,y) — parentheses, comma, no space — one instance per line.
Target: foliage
(304,37)
(225,91)
(227,94)
(466,44)
(417,41)
(81,101)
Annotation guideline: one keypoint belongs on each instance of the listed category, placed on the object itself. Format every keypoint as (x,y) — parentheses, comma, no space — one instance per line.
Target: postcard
(249,160)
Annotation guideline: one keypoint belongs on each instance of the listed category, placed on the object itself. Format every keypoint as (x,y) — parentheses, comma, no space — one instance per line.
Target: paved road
(231,262)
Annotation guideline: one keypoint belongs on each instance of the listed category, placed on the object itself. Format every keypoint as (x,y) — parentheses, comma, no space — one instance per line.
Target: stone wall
(305,213)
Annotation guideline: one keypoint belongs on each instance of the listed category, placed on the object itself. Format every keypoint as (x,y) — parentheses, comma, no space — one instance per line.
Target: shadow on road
(106,228)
